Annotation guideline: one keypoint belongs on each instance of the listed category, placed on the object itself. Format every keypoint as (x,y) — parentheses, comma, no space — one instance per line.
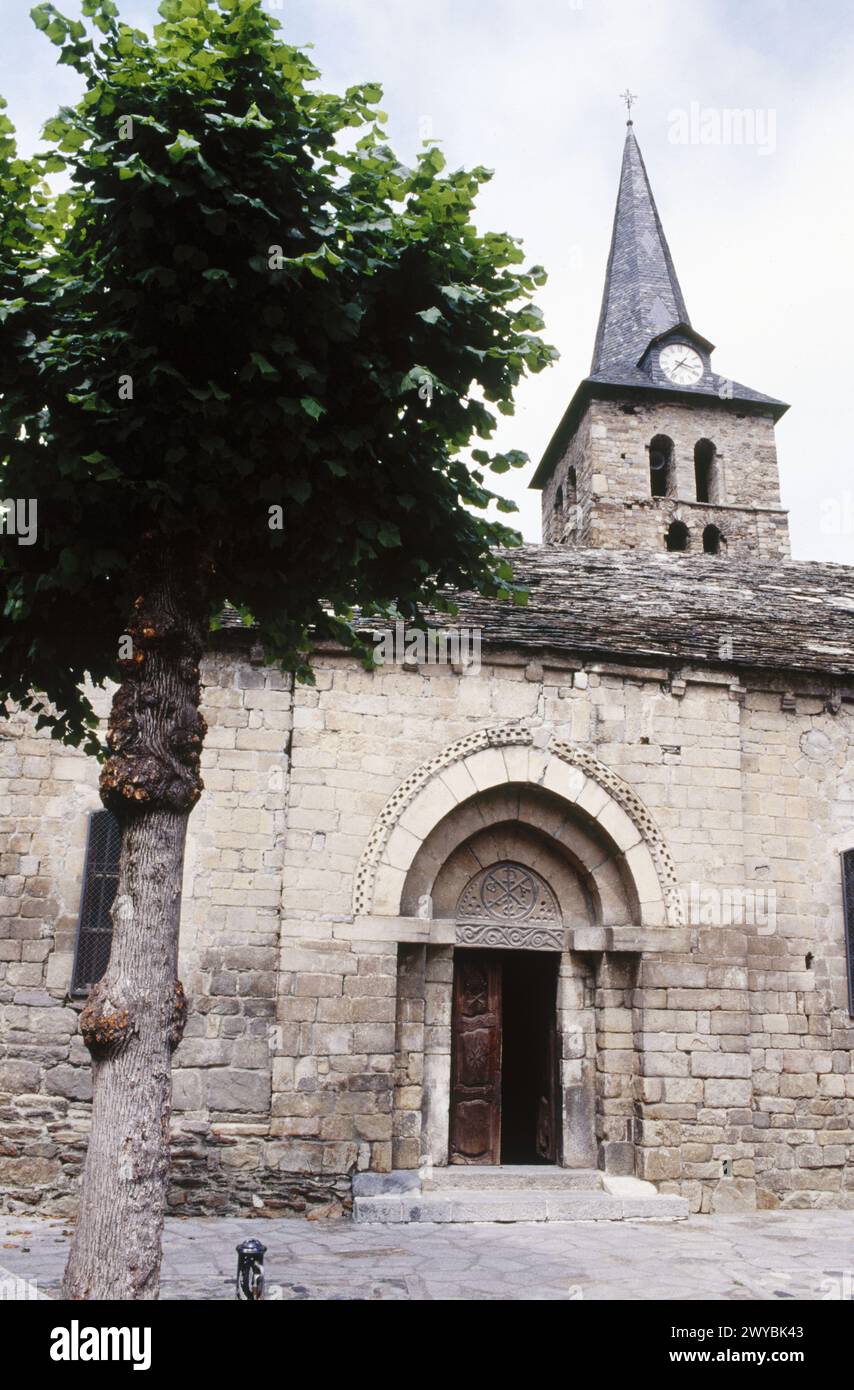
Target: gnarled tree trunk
(134,1017)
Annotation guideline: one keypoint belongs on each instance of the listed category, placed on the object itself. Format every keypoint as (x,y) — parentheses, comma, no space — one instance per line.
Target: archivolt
(511,735)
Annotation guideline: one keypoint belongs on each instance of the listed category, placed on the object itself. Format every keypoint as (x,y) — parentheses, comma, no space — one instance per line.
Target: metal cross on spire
(629,98)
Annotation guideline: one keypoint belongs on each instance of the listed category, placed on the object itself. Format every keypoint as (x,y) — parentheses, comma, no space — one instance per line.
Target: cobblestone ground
(767,1255)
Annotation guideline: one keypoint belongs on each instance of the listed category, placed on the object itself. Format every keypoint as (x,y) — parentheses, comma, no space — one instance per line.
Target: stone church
(568,930)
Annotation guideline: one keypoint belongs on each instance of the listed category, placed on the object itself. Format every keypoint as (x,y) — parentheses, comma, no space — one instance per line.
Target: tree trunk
(134,1017)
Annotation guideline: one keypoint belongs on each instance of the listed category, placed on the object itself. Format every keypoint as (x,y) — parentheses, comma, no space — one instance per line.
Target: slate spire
(642,296)
(642,304)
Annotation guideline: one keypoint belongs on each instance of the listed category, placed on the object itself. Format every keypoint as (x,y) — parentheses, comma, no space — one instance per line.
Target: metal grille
(95,928)
(848,902)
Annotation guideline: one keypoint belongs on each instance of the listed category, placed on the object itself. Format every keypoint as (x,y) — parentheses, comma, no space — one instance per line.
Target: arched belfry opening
(677,536)
(714,542)
(662,479)
(707,471)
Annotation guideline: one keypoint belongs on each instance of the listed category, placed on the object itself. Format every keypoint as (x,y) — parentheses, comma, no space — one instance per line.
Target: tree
(240,362)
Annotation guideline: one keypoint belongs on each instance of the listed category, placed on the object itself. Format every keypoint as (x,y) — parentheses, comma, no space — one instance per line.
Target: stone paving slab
(746,1257)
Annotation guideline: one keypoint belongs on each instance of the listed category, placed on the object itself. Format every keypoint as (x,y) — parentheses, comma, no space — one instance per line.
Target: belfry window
(661,471)
(713,542)
(95,925)
(677,536)
(571,487)
(706,471)
(559,500)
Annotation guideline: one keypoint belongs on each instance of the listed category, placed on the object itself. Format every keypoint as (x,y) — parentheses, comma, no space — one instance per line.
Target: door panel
(476,1059)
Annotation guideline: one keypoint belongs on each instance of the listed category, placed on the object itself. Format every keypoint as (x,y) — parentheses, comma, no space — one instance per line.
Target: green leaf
(183,145)
(265,367)
(258,380)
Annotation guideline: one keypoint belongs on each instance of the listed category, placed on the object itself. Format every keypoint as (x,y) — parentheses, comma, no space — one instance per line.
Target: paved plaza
(759,1255)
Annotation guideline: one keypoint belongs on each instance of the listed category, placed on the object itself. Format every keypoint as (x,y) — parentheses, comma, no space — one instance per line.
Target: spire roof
(642,302)
(642,297)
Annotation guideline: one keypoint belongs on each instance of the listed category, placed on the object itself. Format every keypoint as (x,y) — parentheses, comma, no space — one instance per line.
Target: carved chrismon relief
(511,906)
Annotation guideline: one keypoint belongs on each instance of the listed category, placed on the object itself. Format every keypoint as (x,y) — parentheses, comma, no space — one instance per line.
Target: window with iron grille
(848,901)
(95,927)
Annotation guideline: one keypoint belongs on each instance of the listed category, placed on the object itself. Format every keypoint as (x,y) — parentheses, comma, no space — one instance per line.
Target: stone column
(409,1057)
(577,1053)
(439,984)
(617,1061)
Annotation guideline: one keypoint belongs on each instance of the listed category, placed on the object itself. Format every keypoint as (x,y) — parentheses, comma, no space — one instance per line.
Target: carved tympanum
(509,905)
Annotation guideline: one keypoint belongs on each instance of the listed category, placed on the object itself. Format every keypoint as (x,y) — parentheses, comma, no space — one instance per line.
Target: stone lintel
(404,929)
(448,932)
(639,940)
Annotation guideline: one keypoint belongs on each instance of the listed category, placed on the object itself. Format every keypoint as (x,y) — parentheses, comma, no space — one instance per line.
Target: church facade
(584,904)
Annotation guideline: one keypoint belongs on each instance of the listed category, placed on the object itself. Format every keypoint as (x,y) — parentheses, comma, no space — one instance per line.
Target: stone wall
(614,509)
(224,1157)
(318,1040)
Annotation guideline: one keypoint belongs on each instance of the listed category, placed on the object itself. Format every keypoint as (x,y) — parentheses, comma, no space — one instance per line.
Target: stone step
(517,1178)
(463,1205)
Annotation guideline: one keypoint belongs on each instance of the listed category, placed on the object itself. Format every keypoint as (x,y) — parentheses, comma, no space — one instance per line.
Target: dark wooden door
(476,1059)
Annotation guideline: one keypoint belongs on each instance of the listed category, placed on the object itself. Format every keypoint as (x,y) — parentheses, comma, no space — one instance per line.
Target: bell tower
(657,452)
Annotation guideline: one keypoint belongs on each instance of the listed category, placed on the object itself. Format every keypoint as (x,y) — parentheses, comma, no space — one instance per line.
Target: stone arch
(678,536)
(707,471)
(714,541)
(662,473)
(505,755)
(529,824)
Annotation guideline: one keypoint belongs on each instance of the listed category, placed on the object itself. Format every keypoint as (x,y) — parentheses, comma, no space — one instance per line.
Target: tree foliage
(243,301)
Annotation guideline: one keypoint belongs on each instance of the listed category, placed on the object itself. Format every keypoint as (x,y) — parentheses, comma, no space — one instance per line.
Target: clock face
(681,364)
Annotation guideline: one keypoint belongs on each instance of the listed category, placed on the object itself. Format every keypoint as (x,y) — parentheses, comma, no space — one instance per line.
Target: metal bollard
(250,1271)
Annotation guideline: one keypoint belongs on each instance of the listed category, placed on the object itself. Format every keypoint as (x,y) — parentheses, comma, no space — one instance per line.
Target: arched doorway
(496,798)
(504,1102)
(510,1072)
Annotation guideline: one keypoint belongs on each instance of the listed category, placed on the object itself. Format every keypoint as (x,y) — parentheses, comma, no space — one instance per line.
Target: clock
(681,364)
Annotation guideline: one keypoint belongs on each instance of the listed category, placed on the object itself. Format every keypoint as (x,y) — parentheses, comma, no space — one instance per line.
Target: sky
(760,228)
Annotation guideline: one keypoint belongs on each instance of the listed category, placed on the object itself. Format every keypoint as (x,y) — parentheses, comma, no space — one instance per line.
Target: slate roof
(672,609)
(642,296)
(669,610)
(662,609)
(642,300)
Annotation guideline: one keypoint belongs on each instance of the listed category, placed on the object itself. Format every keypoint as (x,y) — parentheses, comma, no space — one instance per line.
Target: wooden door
(475,1135)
